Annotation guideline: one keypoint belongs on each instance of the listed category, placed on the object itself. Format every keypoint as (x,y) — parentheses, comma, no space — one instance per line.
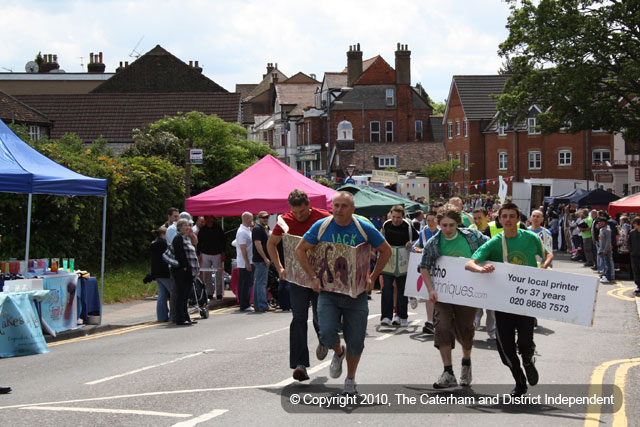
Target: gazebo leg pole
(26,251)
(104,228)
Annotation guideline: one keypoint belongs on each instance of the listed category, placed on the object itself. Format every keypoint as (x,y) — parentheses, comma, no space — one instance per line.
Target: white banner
(546,294)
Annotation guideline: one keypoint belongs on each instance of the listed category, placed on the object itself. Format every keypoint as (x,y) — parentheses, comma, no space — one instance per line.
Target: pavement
(122,315)
(143,311)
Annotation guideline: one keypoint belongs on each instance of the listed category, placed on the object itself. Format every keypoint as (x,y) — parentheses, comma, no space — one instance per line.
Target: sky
(233,40)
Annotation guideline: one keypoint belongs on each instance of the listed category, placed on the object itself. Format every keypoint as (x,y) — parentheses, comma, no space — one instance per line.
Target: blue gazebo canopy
(25,170)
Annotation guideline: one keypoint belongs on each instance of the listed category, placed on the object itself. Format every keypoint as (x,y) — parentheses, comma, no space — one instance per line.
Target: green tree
(441,171)
(226,150)
(579,57)
(324,181)
(438,107)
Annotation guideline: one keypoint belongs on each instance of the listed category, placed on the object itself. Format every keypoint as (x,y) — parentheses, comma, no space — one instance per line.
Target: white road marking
(135,371)
(107,411)
(201,418)
(397,331)
(268,333)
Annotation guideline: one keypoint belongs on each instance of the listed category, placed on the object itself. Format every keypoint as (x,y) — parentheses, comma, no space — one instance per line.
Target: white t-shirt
(243,237)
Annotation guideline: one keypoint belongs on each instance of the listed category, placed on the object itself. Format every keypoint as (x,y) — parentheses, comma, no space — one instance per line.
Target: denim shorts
(341,312)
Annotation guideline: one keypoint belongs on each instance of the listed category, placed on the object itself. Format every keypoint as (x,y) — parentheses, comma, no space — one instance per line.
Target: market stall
(263,186)
(629,204)
(25,170)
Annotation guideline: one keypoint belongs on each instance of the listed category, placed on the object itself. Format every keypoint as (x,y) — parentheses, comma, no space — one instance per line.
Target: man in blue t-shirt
(339,311)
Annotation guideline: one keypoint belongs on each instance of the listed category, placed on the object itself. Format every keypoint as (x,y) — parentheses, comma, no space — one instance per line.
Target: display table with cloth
(20,330)
(60,307)
(88,298)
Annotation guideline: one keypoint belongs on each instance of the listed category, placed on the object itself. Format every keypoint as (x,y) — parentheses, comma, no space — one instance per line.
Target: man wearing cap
(261,262)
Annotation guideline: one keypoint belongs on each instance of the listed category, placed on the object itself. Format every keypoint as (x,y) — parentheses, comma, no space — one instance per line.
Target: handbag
(170,257)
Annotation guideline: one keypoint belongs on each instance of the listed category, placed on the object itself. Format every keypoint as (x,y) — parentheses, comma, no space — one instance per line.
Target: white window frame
(34,132)
(419,133)
(372,132)
(387,162)
(450,157)
(390,97)
(465,125)
(466,161)
(600,152)
(458,159)
(388,134)
(502,129)
(565,158)
(532,126)
(450,130)
(503,160)
(535,157)
(457,127)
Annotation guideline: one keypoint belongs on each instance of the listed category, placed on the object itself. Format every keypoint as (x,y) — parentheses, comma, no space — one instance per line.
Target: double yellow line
(619,291)
(123,331)
(594,411)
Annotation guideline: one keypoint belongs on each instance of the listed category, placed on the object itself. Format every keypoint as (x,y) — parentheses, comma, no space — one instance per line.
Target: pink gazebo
(265,186)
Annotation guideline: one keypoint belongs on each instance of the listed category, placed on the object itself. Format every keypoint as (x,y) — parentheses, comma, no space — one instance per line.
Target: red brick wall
(379,73)
(410,156)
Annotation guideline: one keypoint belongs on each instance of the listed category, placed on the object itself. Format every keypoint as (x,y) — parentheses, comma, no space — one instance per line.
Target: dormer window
(345,131)
(390,97)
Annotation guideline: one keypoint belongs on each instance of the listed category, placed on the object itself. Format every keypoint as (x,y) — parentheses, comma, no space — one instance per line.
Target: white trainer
(335,369)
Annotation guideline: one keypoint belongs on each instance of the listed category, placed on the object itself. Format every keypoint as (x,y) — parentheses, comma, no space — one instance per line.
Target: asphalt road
(231,369)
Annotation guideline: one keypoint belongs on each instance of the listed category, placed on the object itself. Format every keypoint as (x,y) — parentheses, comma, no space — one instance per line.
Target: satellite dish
(31,67)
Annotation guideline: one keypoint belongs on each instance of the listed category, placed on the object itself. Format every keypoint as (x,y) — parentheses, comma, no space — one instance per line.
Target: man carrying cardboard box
(339,311)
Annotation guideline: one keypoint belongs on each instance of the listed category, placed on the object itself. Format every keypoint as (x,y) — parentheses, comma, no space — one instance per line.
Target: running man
(522,248)
(452,322)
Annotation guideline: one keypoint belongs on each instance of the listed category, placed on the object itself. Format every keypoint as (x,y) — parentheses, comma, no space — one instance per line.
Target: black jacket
(181,255)
(634,242)
(159,268)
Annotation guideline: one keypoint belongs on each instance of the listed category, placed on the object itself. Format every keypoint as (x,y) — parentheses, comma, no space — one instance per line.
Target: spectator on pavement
(160,273)
(186,271)
(172,217)
(261,262)
(244,257)
(604,250)
(633,242)
(211,246)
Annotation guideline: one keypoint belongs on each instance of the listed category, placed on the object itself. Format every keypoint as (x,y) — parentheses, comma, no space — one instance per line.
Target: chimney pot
(126,63)
(190,63)
(196,64)
(91,58)
(358,47)
(101,57)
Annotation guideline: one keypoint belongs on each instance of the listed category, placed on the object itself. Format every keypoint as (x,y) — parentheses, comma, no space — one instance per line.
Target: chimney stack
(274,78)
(197,67)
(403,65)
(120,68)
(95,64)
(354,64)
(50,63)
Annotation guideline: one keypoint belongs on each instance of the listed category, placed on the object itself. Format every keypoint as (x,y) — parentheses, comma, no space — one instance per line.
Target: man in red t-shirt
(298,221)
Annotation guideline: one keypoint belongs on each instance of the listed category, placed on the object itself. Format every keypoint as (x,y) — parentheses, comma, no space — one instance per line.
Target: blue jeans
(260,286)
(387,297)
(607,265)
(338,311)
(283,295)
(164,292)
(245,281)
(300,298)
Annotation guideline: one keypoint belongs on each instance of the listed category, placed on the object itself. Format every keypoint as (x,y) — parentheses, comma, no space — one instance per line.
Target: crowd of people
(477,228)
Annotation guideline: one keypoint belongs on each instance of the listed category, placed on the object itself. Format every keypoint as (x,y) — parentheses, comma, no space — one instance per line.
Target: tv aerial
(134,53)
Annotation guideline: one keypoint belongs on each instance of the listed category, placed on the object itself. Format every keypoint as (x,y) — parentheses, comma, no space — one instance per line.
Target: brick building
(485,148)
(376,120)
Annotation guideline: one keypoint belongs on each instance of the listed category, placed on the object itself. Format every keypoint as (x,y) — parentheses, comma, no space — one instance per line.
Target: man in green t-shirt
(452,322)
(522,246)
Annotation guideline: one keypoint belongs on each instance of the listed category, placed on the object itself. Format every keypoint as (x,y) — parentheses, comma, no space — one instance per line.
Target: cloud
(234,40)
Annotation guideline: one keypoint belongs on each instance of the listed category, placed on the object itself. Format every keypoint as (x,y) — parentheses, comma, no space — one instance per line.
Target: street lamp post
(361,104)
